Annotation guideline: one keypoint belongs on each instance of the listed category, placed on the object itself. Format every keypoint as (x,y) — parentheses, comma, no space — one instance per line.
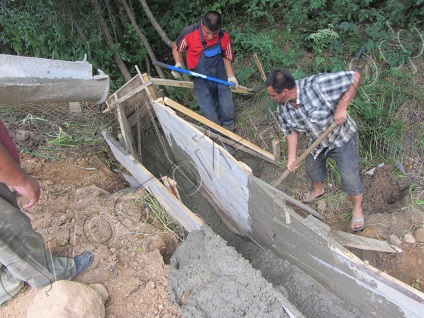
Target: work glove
(177,75)
(233,80)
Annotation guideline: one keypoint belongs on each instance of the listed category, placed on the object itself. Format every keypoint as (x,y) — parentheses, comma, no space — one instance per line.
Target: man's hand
(233,80)
(30,189)
(340,116)
(176,74)
(289,165)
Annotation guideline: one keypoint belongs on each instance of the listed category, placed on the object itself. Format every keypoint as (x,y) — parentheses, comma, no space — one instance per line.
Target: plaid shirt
(317,99)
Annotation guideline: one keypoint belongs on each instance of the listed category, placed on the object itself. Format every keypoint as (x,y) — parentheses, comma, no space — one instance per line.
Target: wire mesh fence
(44,129)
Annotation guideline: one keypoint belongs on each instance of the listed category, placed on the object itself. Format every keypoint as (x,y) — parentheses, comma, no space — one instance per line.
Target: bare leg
(357,210)
(318,189)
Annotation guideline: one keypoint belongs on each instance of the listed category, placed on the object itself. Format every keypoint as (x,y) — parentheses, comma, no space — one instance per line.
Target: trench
(227,269)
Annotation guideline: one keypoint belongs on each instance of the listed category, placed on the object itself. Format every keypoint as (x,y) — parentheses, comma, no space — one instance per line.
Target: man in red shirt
(22,253)
(209,52)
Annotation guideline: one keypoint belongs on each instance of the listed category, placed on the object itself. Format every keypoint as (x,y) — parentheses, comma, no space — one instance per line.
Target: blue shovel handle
(181,70)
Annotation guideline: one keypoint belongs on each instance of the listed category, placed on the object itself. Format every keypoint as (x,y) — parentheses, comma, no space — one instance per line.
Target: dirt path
(82,209)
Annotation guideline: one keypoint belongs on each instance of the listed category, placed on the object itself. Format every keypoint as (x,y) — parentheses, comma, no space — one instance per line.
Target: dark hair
(212,20)
(280,80)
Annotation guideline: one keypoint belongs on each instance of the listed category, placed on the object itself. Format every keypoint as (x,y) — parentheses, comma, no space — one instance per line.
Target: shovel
(303,156)
(205,77)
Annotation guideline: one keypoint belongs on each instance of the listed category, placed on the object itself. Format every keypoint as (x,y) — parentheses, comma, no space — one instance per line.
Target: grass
(158,212)
(62,139)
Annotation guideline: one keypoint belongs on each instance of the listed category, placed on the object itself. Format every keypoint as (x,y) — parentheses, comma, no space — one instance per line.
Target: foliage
(303,36)
(159,213)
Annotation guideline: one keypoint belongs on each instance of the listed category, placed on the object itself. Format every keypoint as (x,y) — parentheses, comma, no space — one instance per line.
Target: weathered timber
(218,128)
(126,131)
(169,202)
(234,144)
(363,243)
(187,84)
(256,208)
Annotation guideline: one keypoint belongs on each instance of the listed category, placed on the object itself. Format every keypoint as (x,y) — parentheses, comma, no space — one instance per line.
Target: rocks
(68,299)
(321,207)
(419,235)
(409,238)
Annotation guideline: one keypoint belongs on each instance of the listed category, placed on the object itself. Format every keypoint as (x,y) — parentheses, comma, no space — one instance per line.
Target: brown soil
(83,209)
(392,205)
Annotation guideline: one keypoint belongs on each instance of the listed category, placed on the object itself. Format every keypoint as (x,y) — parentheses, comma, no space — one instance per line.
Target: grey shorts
(347,161)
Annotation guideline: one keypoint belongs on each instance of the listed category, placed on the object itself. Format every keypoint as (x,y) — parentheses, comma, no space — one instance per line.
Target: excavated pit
(204,285)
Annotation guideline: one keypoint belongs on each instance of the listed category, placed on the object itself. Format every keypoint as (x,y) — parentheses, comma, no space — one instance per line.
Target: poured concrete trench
(216,273)
(248,254)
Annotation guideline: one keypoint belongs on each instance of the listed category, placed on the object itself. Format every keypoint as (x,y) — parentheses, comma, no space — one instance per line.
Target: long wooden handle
(303,156)
(259,66)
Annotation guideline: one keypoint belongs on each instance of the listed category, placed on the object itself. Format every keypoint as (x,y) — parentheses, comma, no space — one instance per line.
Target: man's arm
(340,114)
(228,67)
(178,57)
(12,175)
(291,150)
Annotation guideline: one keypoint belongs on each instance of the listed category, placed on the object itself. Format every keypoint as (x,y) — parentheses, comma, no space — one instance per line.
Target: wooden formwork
(253,208)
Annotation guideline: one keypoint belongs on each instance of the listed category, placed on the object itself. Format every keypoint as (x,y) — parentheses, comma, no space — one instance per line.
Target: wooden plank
(144,115)
(277,193)
(245,200)
(186,84)
(363,243)
(225,178)
(150,92)
(218,128)
(173,83)
(112,103)
(126,131)
(176,209)
(127,88)
(345,275)
(233,144)
(347,239)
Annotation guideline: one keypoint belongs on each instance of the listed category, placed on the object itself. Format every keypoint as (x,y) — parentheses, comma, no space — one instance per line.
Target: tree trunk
(70,12)
(123,17)
(116,26)
(109,40)
(142,37)
(155,24)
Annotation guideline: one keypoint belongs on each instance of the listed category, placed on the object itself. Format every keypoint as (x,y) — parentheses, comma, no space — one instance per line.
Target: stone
(68,299)
(394,240)
(101,290)
(409,238)
(321,207)
(419,235)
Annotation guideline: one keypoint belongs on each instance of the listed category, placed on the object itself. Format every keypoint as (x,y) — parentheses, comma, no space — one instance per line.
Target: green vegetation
(383,39)
(159,213)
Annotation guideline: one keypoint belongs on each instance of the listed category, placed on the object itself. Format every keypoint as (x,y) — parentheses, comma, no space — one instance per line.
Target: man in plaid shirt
(310,106)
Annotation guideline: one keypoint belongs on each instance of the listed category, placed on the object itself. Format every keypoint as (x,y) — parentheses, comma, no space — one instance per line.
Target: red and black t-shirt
(190,40)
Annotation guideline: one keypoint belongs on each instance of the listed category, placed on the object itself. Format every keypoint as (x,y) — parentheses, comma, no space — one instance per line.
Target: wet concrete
(209,292)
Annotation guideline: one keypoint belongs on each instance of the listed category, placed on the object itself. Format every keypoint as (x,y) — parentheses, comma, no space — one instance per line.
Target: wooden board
(175,208)
(218,128)
(262,214)
(187,84)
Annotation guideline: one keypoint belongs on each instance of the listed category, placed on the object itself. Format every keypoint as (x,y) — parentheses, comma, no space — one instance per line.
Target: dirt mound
(383,191)
(83,209)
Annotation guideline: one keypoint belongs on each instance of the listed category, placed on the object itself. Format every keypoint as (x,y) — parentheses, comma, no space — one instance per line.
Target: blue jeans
(347,161)
(216,103)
